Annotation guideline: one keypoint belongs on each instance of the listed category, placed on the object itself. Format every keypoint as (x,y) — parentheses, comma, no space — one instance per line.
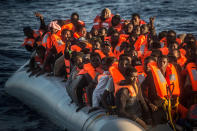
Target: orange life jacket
(58,43)
(91,70)
(68,26)
(183,52)
(99,24)
(164,43)
(192,71)
(67,65)
(46,41)
(141,43)
(146,54)
(118,27)
(79,21)
(75,48)
(161,84)
(142,22)
(182,60)
(29,41)
(115,73)
(129,87)
(141,74)
(117,47)
(164,50)
(76,35)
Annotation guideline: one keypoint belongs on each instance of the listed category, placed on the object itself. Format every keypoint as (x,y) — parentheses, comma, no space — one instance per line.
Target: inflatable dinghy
(48,96)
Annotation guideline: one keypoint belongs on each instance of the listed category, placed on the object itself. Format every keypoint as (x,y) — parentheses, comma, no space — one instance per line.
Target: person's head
(144,29)
(126,47)
(40,50)
(190,40)
(106,47)
(171,36)
(115,37)
(124,62)
(115,20)
(137,30)
(131,74)
(83,32)
(173,46)
(94,32)
(66,35)
(54,27)
(102,31)
(107,62)
(135,19)
(162,35)
(156,45)
(95,60)
(129,28)
(148,60)
(156,54)
(176,53)
(96,44)
(79,60)
(86,58)
(28,32)
(105,14)
(74,17)
(162,63)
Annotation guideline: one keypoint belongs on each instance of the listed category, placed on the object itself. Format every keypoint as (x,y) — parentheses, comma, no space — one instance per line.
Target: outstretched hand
(152,20)
(37,14)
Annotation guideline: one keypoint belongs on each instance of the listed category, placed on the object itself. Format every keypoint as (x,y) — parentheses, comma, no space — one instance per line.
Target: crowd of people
(123,66)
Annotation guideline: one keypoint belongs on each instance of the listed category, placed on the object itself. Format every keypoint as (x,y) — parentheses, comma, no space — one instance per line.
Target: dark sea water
(180,16)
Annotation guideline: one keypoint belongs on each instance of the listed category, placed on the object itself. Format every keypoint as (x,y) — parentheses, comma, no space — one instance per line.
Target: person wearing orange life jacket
(105,50)
(36,62)
(34,37)
(29,41)
(73,23)
(136,21)
(56,45)
(190,87)
(102,82)
(75,16)
(128,29)
(80,32)
(171,37)
(116,24)
(129,100)
(104,20)
(165,86)
(116,70)
(142,42)
(92,70)
(181,59)
(116,42)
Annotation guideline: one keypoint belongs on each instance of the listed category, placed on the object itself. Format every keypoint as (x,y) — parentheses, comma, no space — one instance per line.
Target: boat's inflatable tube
(48,96)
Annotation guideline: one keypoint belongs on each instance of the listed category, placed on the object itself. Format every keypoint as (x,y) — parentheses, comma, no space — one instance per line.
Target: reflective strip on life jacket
(192,71)
(159,80)
(161,83)
(141,74)
(28,41)
(58,43)
(46,41)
